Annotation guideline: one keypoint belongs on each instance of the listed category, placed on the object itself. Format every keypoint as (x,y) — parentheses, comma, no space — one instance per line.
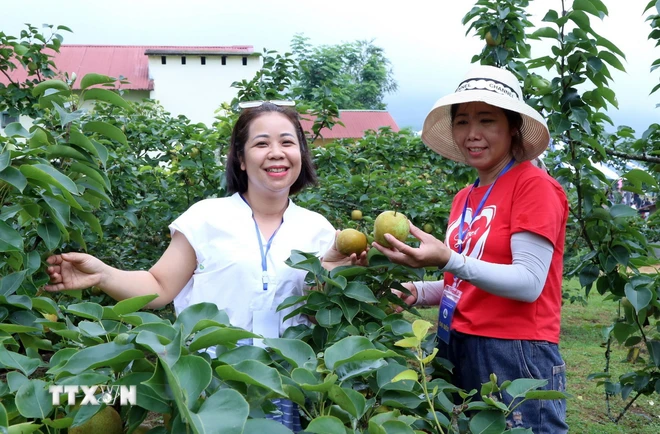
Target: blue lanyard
(461,231)
(264,254)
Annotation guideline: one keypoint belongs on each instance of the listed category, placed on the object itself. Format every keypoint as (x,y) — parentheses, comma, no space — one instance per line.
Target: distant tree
(358,73)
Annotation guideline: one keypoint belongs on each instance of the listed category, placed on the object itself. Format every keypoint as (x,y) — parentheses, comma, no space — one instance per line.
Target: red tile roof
(356,122)
(130,61)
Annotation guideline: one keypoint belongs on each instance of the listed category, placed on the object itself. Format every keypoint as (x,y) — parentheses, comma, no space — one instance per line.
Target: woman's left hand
(430,253)
(334,258)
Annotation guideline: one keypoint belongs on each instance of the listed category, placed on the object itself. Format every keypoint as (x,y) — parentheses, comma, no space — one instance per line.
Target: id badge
(450,298)
(265,323)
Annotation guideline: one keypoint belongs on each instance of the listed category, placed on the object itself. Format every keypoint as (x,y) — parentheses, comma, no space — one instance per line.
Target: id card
(450,297)
(265,323)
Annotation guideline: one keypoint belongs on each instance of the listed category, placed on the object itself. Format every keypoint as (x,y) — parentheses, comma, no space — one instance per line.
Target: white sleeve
(429,293)
(523,280)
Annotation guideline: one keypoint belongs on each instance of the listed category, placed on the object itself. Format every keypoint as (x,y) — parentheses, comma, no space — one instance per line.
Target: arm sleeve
(429,293)
(523,280)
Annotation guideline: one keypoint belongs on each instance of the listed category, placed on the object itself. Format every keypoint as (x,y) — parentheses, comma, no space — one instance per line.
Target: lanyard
(264,254)
(463,232)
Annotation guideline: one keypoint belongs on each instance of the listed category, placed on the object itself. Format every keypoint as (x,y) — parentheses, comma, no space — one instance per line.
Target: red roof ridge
(154,46)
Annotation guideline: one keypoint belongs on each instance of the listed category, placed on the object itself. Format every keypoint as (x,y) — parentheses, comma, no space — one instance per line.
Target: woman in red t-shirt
(500,299)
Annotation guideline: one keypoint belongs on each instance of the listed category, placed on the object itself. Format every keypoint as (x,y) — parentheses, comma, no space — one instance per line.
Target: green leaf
(545,32)
(610,58)
(194,374)
(82,141)
(519,387)
(244,352)
(361,292)
(107,130)
(86,310)
(133,304)
(408,374)
(12,360)
(23,428)
(253,372)
(13,176)
(546,394)
(16,129)
(326,425)
(18,328)
(91,172)
(5,159)
(621,210)
(50,175)
(654,350)
(91,221)
(50,234)
(40,88)
(107,354)
(188,319)
(639,177)
(589,274)
(353,349)
(488,422)
(328,316)
(349,400)
(167,351)
(107,96)
(588,7)
(226,412)
(223,335)
(294,351)
(93,79)
(4,421)
(10,239)
(581,19)
(639,297)
(421,328)
(33,399)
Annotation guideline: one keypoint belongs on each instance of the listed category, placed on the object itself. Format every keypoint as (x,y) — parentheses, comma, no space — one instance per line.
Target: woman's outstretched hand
(334,258)
(430,253)
(69,271)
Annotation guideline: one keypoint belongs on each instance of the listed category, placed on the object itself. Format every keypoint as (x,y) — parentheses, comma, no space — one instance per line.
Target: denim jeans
(476,357)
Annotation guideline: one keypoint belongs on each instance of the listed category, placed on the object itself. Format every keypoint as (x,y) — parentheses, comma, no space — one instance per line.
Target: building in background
(189,81)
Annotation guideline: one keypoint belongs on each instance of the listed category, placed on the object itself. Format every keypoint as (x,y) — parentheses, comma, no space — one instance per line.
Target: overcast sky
(424,39)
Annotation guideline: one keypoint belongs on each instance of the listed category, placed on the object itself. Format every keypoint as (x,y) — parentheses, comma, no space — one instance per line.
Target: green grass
(583,351)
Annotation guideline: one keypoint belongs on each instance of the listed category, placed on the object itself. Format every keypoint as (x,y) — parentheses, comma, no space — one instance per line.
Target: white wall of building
(195,90)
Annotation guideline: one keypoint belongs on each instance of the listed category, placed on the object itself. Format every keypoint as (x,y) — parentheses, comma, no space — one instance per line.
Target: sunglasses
(253,104)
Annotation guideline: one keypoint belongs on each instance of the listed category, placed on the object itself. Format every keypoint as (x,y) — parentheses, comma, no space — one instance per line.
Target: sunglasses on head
(253,104)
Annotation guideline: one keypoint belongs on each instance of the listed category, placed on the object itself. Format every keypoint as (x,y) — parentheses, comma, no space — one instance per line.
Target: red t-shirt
(525,199)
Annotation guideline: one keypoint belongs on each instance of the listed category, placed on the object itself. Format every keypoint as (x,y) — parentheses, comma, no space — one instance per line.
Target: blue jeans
(476,357)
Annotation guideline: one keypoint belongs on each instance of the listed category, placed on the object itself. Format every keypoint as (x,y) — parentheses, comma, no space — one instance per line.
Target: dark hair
(237,180)
(515,121)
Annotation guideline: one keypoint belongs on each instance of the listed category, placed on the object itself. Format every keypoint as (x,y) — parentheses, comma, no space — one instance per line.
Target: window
(163,60)
(203,60)
(5,119)
(183,60)
(224,60)
(244,60)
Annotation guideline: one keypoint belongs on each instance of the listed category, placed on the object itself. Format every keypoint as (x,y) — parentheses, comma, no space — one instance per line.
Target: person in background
(502,257)
(231,251)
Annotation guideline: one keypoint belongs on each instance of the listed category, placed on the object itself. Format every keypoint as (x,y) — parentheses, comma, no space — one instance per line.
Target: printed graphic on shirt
(475,236)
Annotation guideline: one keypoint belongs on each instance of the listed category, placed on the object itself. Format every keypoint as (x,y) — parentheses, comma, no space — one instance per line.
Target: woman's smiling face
(483,135)
(272,158)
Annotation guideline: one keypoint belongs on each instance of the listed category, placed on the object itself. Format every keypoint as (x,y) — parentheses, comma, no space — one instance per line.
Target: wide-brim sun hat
(497,87)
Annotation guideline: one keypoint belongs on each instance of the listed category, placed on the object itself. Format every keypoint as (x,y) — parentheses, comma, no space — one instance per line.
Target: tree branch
(643,157)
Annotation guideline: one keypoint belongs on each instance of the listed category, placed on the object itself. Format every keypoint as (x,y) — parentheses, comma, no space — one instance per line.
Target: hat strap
(487,84)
